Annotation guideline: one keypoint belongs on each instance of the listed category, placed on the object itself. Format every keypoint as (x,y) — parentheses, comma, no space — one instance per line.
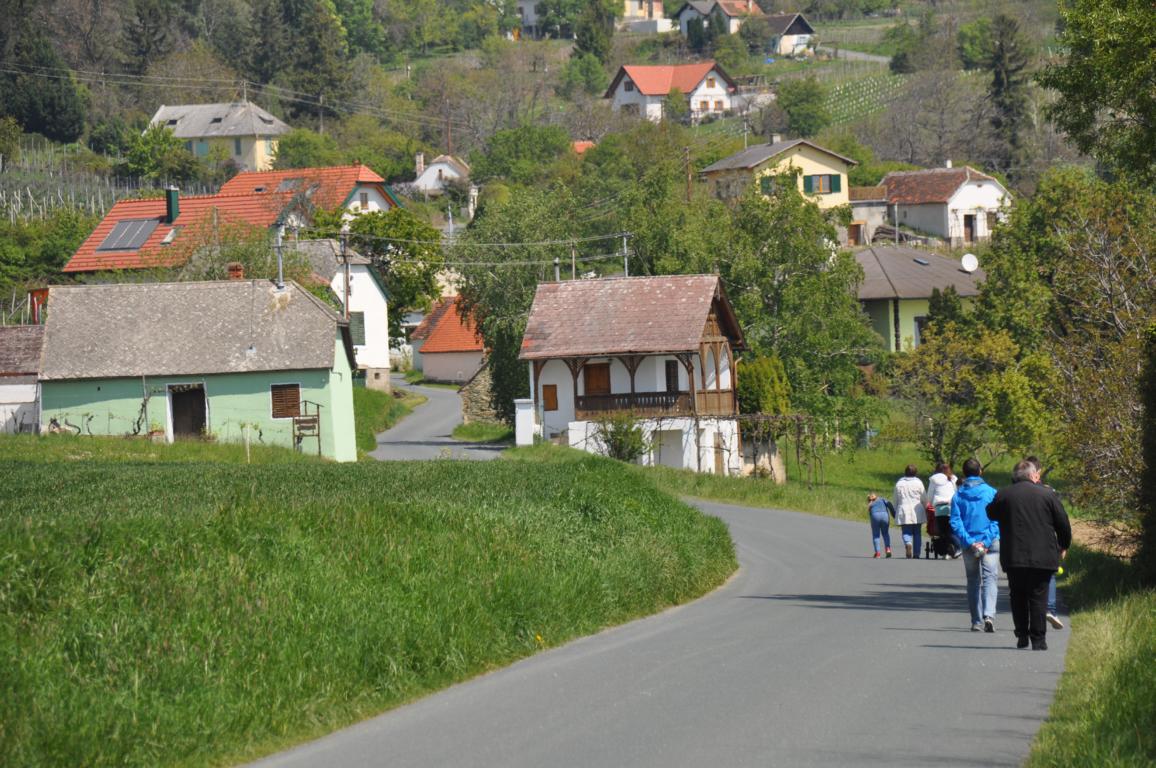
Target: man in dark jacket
(1034,535)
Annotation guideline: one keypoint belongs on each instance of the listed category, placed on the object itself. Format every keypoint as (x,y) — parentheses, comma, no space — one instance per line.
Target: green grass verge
(1105,705)
(483,432)
(375,411)
(160,608)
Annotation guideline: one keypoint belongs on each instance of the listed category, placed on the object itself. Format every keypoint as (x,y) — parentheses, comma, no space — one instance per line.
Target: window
(718,106)
(202,148)
(237,147)
(821,184)
(215,120)
(549,397)
(286,400)
(672,376)
(128,235)
(767,184)
(920,329)
(363,198)
(628,86)
(704,106)
(596,378)
(357,328)
(710,82)
(171,122)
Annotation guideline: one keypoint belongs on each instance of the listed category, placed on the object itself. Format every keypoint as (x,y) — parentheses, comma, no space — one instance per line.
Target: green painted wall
(113,406)
(882,315)
(909,309)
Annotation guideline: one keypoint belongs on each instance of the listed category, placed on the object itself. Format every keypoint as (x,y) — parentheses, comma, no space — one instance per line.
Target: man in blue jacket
(979,537)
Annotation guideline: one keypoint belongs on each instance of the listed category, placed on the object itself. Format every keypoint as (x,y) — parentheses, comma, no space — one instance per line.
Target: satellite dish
(969,263)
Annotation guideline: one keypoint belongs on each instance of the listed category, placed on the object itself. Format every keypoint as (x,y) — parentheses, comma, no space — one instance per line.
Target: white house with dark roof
(659,349)
(960,205)
(19,366)
(367,301)
(793,33)
(229,360)
(898,281)
(244,132)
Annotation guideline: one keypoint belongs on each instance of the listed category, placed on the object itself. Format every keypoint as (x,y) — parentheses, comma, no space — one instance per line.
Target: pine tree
(1008,63)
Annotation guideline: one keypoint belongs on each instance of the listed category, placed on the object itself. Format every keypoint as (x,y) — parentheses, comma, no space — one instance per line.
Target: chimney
(419,163)
(947,164)
(776,138)
(172,204)
(750,6)
(236,270)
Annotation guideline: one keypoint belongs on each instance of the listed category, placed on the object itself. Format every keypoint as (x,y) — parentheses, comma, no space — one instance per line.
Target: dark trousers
(1029,601)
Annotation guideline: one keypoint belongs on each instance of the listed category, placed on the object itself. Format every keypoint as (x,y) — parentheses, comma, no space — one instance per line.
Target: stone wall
(476,398)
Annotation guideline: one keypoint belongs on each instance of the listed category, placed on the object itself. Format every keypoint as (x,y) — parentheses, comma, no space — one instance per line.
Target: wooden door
(597,378)
(672,376)
(188,404)
(969,228)
(720,467)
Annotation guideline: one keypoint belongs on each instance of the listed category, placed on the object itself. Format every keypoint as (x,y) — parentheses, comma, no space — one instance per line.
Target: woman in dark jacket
(1034,534)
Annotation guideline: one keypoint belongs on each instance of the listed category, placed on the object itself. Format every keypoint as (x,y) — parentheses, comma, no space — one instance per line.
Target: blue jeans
(982,581)
(880,531)
(1052,595)
(911,536)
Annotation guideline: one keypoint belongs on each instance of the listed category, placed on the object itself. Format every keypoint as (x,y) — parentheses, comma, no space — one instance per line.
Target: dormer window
(627,86)
(710,82)
(171,122)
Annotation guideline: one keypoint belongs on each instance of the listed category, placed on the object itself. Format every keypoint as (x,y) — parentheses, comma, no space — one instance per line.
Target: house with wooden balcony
(658,349)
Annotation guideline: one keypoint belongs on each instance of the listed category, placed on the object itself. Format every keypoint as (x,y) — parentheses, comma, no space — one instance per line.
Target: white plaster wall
(19,404)
(930,218)
(376,202)
(429,181)
(455,367)
(365,296)
(974,197)
(673,443)
(649,107)
(704,92)
(791,44)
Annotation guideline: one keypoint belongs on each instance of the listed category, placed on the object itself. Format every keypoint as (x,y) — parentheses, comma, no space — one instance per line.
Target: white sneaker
(1054,621)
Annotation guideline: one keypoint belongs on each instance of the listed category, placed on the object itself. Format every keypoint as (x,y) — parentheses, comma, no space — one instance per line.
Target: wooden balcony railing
(655,404)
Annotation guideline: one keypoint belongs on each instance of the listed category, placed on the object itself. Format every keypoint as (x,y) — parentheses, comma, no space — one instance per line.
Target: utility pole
(573,262)
(625,257)
(277,248)
(321,101)
(557,270)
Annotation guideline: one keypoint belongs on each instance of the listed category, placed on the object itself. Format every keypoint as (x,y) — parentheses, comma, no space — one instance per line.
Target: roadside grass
(56,449)
(1105,705)
(483,432)
(375,411)
(163,608)
(417,378)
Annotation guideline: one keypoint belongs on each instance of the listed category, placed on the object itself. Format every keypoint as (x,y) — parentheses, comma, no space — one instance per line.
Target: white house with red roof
(659,350)
(163,232)
(447,346)
(643,89)
(960,205)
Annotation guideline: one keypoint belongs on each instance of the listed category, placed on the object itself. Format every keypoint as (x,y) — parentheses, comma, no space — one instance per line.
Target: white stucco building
(442,170)
(643,89)
(960,205)
(659,350)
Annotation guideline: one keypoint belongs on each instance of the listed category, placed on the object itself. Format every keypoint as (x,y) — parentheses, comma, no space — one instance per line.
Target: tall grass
(194,612)
(375,411)
(1105,706)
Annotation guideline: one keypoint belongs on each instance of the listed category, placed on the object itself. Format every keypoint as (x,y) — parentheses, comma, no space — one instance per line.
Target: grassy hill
(165,605)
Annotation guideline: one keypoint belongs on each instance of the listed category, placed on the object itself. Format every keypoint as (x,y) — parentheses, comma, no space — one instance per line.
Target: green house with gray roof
(230,360)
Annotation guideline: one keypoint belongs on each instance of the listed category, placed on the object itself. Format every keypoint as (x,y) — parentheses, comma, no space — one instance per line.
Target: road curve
(812,655)
(427,432)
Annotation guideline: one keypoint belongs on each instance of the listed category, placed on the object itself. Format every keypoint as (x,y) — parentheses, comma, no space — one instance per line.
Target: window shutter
(357,327)
(767,184)
(808,185)
(286,400)
(836,183)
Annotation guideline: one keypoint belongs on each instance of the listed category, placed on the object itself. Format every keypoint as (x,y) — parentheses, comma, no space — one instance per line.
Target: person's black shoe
(988,624)
(1040,646)
(1022,642)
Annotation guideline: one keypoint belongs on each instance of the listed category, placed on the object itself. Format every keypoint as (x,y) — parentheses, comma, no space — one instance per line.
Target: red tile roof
(439,308)
(195,212)
(934,185)
(660,80)
(625,315)
(739,7)
(580,147)
(333,185)
(452,331)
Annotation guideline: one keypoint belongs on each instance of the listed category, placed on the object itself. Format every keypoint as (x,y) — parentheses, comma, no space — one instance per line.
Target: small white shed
(19,367)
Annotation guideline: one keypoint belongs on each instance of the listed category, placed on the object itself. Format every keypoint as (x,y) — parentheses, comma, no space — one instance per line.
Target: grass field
(375,411)
(483,432)
(1105,706)
(160,607)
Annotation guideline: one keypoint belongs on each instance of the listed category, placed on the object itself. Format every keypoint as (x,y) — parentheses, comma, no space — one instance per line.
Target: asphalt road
(814,654)
(427,432)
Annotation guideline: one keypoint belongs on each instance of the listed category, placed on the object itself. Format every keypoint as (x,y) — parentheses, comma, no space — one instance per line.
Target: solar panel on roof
(128,235)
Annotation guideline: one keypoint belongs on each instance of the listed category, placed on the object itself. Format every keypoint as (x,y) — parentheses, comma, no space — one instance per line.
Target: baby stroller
(939,543)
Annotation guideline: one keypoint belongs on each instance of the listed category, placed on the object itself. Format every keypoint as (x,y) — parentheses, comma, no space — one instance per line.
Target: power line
(469,244)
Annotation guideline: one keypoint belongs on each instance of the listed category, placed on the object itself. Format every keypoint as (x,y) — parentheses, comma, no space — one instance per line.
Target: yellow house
(240,131)
(822,173)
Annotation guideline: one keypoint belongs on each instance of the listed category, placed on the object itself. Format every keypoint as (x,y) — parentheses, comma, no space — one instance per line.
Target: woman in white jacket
(910,501)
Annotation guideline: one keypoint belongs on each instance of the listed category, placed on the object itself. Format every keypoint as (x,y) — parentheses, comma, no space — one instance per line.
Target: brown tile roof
(624,315)
(660,80)
(859,194)
(934,185)
(902,272)
(452,331)
(20,349)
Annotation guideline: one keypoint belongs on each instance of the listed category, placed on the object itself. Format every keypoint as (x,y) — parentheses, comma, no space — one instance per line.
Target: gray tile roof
(240,118)
(20,349)
(324,256)
(624,315)
(178,329)
(896,272)
(758,154)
